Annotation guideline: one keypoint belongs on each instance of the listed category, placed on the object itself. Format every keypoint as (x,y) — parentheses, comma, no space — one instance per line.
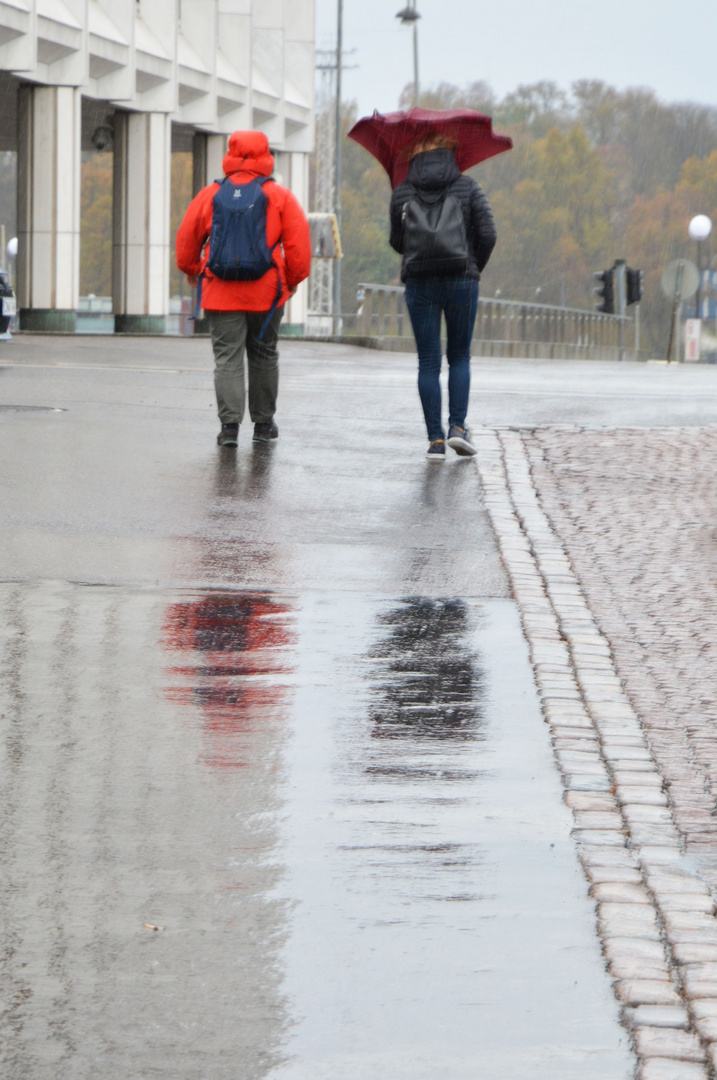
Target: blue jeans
(426,300)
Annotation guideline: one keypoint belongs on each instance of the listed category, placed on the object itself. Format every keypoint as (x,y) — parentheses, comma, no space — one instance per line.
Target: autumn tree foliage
(96,220)
(96,224)
(595,174)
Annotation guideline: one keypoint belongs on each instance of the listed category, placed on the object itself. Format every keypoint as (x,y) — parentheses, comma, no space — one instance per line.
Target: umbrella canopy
(390,138)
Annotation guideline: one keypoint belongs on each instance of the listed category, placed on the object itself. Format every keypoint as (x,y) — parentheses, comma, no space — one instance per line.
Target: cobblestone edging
(656,917)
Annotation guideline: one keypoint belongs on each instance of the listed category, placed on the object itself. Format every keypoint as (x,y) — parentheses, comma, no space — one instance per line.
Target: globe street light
(409,17)
(699,229)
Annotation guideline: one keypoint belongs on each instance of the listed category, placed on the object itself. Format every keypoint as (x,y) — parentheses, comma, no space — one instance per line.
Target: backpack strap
(198,305)
(200,279)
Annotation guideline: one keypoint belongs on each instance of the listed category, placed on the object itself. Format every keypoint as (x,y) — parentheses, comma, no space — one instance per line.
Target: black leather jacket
(433,171)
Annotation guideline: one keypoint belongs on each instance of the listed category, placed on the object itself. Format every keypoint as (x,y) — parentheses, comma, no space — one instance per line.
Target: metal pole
(415,58)
(621,296)
(675,315)
(337,161)
(698,297)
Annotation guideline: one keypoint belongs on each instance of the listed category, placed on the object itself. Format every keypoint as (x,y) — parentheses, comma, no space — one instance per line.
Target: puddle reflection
(239,647)
(430,684)
(243,477)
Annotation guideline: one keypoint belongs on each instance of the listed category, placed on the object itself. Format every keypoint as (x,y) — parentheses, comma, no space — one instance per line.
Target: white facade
(141,70)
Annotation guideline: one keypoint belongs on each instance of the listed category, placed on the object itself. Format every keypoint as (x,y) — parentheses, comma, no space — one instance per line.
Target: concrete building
(142,77)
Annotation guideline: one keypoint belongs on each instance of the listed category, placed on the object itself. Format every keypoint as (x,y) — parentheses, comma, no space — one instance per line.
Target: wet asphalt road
(276,702)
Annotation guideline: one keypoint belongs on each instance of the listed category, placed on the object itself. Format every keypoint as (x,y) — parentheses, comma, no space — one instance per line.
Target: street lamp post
(337,160)
(409,17)
(699,229)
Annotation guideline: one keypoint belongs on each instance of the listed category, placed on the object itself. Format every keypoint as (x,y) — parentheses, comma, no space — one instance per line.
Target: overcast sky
(667,45)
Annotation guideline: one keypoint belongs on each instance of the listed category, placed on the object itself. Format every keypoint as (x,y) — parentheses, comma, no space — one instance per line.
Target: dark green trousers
(234,334)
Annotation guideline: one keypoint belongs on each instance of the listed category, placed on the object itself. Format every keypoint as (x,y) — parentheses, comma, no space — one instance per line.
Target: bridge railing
(503,328)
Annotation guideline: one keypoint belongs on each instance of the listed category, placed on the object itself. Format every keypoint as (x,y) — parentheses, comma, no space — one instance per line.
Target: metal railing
(504,328)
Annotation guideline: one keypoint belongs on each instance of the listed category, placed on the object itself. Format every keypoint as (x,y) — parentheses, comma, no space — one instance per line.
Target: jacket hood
(433,170)
(249,152)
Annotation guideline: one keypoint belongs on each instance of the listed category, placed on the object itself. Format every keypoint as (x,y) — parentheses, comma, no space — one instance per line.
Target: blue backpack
(238,249)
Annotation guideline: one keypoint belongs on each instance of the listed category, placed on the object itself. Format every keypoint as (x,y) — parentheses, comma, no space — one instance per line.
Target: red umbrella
(390,138)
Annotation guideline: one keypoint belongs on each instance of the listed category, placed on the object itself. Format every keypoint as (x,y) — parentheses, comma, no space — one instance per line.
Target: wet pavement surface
(279,798)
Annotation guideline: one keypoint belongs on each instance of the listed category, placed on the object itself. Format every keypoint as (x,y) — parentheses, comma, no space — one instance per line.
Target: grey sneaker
(436,450)
(229,435)
(265,431)
(459,439)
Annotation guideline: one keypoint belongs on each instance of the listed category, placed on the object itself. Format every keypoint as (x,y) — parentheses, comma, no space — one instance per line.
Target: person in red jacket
(237,310)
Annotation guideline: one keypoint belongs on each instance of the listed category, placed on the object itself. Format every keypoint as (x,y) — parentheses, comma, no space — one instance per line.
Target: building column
(48,205)
(140,222)
(207,156)
(293,169)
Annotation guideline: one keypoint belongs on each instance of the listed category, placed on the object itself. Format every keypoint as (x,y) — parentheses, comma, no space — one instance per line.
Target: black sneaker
(229,435)
(436,450)
(265,431)
(459,439)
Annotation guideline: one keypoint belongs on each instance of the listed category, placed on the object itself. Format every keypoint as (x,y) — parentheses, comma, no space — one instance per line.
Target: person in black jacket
(443,227)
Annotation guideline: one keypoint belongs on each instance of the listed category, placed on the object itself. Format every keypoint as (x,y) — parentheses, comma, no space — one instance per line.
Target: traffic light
(606,292)
(634,286)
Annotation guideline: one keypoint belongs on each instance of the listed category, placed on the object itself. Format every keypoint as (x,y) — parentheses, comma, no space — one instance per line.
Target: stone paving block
(599,855)
(712,1055)
(667,1043)
(587,763)
(700,969)
(618,892)
(666,880)
(613,874)
(690,920)
(599,836)
(707,1028)
(595,819)
(616,710)
(704,1008)
(685,953)
(646,992)
(647,815)
(685,902)
(594,695)
(583,782)
(550,694)
(627,920)
(648,794)
(626,968)
(634,948)
(636,740)
(651,855)
(594,801)
(696,988)
(675,936)
(563,744)
(570,708)
(668,1069)
(558,715)
(663,1016)
(624,756)
(643,834)
(581,734)
(639,772)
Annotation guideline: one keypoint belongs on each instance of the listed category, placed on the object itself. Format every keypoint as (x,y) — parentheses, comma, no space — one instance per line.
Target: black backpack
(435,242)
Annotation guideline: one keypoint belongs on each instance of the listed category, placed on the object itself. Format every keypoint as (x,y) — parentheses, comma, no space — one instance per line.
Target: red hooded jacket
(247,158)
